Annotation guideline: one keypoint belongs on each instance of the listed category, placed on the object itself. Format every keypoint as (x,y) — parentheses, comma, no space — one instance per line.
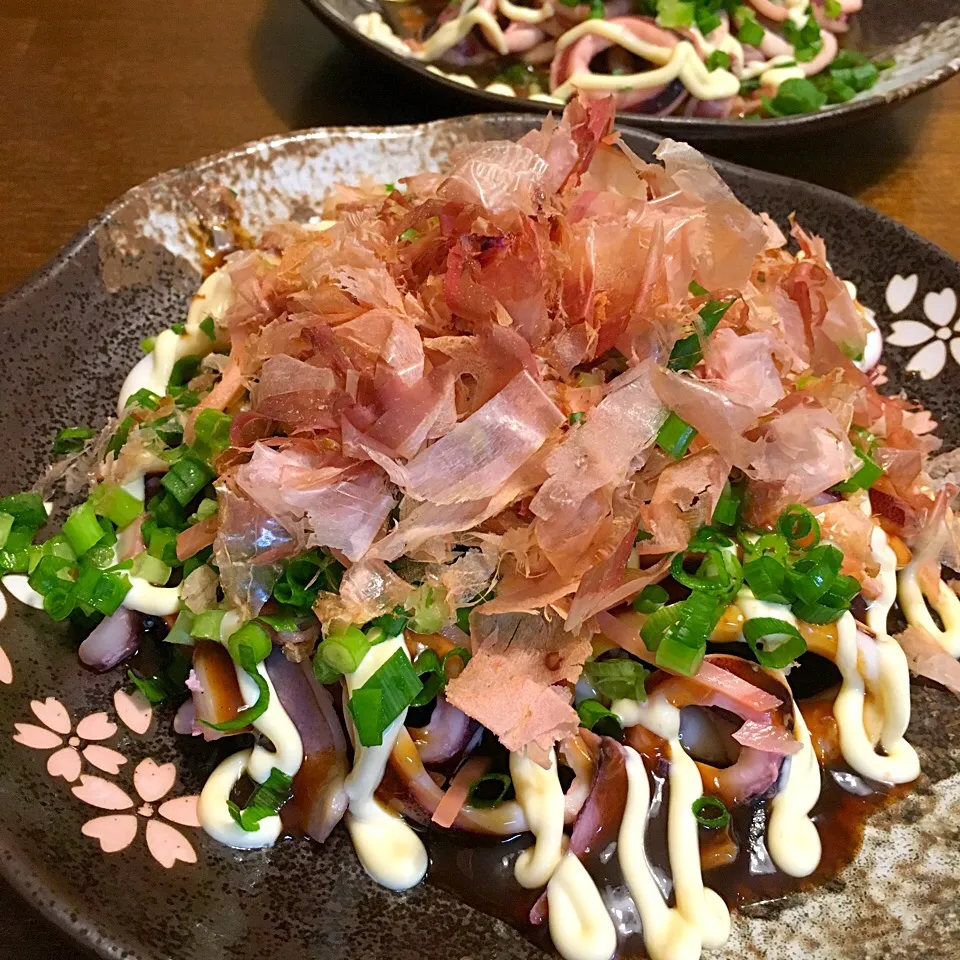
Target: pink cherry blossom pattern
(116,832)
(66,760)
(134,710)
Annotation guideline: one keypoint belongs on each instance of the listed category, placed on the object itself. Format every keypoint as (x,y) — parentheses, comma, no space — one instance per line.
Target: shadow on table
(311,79)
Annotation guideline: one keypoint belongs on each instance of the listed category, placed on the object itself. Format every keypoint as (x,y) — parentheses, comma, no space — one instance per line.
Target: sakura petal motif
(96,727)
(115,833)
(134,710)
(909,333)
(52,713)
(101,793)
(168,844)
(37,738)
(941,307)
(929,361)
(103,758)
(182,810)
(900,292)
(152,781)
(6,667)
(64,763)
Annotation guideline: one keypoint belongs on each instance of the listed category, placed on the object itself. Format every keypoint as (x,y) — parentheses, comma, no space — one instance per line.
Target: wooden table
(99,95)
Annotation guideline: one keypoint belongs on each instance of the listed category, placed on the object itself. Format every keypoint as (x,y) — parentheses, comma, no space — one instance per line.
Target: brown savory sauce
(735,860)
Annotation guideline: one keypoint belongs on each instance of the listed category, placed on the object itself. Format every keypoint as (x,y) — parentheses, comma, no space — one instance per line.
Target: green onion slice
(476,795)
(781,641)
(618,679)
(245,658)
(264,802)
(382,699)
(711,812)
(652,597)
(799,527)
(593,712)
(658,623)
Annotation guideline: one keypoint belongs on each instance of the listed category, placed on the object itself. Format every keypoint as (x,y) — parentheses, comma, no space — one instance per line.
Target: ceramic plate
(923,36)
(73,750)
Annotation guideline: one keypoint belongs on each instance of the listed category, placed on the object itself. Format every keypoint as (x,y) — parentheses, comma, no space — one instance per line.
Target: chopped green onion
(389,187)
(178,328)
(651,598)
(795,96)
(696,290)
(184,370)
(150,569)
(59,603)
(6,525)
(675,436)
(618,679)
(576,418)
(167,512)
(678,657)
(207,507)
(833,8)
(51,572)
(832,605)
(323,671)
(143,398)
(147,344)
(182,631)
(206,625)
(718,60)
(102,590)
(782,641)
(710,812)
(457,653)
(27,510)
(208,327)
(161,542)
(186,478)
(430,609)
(116,504)
(476,797)
(805,39)
(345,649)
(152,688)
(82,529)
(767,543)
(250,637)
(212,433)
(797,524)
(864,478)
(813,576)
(264,802)
(764,575)
(396,686)
(71,440)
(751,33)
(700,613)
(249,714)
(675,13)
(688,352)
(430,671)
(658,623)
(393,624)
(593,712)
(121,435)
(727,512)
(410,234)
(711,577)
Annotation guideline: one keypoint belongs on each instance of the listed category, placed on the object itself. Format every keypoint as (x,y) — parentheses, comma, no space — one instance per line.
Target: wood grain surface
(98,95)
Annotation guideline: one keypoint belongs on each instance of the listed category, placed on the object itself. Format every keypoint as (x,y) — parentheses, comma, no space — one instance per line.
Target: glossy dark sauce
(735,860)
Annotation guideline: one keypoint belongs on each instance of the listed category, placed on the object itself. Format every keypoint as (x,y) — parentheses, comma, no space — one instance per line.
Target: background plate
(67,338)
(923,36)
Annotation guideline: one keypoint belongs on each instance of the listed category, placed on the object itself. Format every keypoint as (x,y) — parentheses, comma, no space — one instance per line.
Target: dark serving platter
(68,336)
(923,36)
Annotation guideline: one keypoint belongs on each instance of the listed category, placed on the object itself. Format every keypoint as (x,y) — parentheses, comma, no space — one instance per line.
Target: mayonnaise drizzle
(911,592)
(518,14)
(213,299)
(884,673)
(541,798)
(700,918)
(580,925)
(681,62)
(391,853)
(258,762)
(792,837)
(19,588)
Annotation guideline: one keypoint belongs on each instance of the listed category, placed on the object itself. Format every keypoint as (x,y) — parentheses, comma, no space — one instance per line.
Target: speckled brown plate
(923,36)
(68,336)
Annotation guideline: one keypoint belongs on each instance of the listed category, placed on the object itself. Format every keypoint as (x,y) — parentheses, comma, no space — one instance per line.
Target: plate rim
(717,129)
(15,866)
